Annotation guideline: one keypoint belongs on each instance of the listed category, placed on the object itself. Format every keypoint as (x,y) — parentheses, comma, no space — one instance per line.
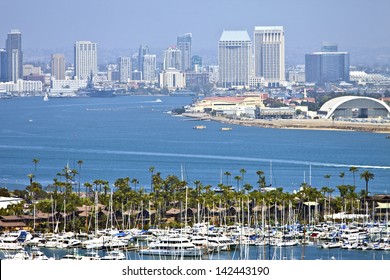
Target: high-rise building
(58,66)
(234,58)
(85,59)
(149,67)
(3,65)
(134,62)
(143,50)
(329,47)
(184,44)
(326,67)
(269,54)
(14,56)
(172,58)
(124,69)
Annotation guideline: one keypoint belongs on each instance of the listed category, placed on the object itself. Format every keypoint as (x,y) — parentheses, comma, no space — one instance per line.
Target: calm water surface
(125,136)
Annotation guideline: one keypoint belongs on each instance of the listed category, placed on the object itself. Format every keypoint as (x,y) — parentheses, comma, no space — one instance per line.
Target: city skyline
(342,22)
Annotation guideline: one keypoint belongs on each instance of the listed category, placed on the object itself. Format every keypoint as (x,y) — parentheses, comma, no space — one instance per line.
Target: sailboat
(46,97)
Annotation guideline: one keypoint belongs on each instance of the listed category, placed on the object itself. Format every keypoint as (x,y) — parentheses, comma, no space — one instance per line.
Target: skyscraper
(172,58)
(124,69)
(143,50)
(184,44)
(149,66)
(14,56)
(85,59)
(58,66)
(327,67)
(269,54)
(234,58)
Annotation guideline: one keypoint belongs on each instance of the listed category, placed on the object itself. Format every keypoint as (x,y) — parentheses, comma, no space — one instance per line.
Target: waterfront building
(354,107)
(236,106)
(21,87)
(327,67)
(58,66)
(184,44)
(234,58)
(172,79)
(124,64)
(269,54)
(85,59)
(14,56)
(172,58)
(149,67)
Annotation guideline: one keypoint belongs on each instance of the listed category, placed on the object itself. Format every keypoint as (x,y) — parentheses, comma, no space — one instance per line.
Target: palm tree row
(172,192)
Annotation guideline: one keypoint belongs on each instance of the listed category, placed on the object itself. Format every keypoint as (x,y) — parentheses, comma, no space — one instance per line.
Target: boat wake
(195,156)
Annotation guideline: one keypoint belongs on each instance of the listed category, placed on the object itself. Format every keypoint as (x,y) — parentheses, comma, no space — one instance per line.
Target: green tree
(353,169)
(35,161)
(80,163)
(367,176)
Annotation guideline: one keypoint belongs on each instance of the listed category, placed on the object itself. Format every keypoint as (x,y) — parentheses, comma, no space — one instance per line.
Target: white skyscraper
(172,58)
(234,58)
(85,59)
(269,54)
(149,66)
(124,69)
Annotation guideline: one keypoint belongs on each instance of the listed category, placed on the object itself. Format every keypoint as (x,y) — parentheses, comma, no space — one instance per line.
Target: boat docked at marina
(114,255)
(175,246)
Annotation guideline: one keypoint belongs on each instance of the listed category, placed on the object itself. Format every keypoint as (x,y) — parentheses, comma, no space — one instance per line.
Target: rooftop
(235,36)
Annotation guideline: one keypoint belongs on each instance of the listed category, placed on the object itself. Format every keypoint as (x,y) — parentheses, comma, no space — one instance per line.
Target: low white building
(21,86)
(172,79)
(5,201)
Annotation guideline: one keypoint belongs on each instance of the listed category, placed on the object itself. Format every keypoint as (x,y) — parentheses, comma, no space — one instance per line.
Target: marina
(301,243)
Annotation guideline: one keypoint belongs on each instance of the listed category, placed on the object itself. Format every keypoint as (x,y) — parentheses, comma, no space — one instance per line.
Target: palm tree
(227,173)
(353,169)
(242,171)
(35,161)
(31,177)
(80,162)
(327,177)
(135,182)
(238,178)
(151,170)
(342,174)
(367,176)
(260,173)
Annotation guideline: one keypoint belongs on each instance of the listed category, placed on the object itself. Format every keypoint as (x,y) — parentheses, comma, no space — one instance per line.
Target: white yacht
(114,255)
(172,246)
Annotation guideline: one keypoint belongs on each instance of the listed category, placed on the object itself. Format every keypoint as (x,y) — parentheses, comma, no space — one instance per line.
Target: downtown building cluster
(243,63)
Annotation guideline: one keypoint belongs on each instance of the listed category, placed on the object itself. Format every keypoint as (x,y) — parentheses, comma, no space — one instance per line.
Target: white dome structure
(355,107)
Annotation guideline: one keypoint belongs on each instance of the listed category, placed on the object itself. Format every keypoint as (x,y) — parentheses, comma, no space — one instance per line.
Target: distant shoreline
(304,124)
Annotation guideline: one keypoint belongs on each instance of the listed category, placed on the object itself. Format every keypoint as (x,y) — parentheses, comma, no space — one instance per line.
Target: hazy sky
(47,24)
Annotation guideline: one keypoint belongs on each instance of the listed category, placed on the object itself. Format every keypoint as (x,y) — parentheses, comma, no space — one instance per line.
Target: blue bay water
(125,136)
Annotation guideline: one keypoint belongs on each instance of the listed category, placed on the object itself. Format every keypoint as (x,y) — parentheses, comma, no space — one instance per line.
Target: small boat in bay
(199,127)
